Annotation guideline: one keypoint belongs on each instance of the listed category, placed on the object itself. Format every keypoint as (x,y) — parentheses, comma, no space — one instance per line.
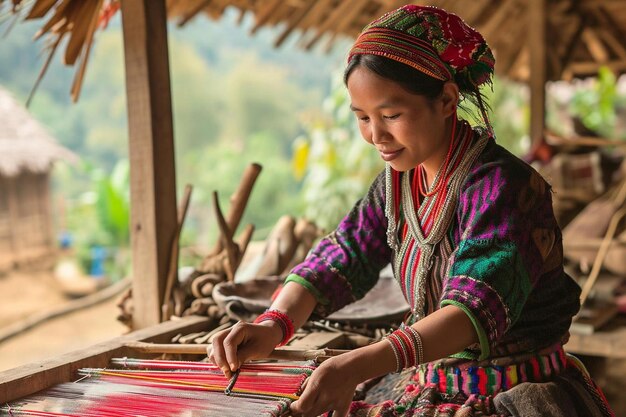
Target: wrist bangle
(407,347)
(283,320)
(396,354)
(419,347)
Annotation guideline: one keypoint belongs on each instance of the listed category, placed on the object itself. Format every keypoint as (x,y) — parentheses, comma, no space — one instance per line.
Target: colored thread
(156,388)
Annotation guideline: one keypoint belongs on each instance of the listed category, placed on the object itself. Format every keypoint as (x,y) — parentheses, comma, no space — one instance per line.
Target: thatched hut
(27,153)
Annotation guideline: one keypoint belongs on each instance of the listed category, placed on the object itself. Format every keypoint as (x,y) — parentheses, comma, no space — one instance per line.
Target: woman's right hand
(243,342)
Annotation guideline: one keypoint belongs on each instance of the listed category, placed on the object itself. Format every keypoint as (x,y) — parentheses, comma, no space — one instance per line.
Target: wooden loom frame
(147,343)
(33,377)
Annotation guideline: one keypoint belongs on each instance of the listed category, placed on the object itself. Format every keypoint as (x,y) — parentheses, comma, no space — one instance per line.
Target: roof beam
(536,41)
(339,14)
(571,45)
(591,68)
(495,22)
(295,20)
(594,45)
(264,14)
(344,22)
(611,32)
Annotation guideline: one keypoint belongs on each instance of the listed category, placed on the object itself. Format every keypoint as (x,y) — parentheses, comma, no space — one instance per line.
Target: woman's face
(406,129)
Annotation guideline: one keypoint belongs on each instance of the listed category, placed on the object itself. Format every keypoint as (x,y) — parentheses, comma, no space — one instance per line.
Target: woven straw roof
(582,34)
(24,143)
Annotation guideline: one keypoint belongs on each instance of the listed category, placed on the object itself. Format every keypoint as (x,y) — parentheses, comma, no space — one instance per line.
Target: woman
(471,236)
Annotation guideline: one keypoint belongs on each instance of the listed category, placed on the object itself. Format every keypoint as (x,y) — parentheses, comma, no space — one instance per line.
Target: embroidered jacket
(500,261)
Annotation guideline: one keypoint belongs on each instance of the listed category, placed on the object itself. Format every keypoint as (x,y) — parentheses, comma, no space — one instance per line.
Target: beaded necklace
(416,225)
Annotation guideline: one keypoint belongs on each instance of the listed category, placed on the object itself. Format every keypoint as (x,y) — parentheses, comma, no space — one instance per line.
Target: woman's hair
(415,81)
(412,80)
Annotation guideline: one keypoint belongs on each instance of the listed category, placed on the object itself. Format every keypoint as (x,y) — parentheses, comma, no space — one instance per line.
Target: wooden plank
(317,340)
(607,342)
(536,41)
(151,154)
(28,379)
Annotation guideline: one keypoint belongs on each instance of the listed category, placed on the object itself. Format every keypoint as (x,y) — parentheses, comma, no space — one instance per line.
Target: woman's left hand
(330,387)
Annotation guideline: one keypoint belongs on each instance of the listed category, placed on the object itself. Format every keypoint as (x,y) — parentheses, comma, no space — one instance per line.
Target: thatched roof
(582,35)
(24,143)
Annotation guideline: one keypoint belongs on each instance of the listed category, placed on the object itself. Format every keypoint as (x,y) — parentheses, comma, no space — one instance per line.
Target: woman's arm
(444,332)
(295,301)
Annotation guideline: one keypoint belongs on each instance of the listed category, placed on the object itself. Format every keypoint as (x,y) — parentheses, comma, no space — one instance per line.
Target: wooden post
(536,44)
(151,153)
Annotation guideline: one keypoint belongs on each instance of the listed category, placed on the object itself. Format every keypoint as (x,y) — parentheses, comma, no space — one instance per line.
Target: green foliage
(112,204)
(236,100)
(596,106)
(99,217)
(336,164)
(509,115)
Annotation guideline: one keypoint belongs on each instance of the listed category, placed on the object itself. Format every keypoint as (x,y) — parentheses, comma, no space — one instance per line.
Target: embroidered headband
(431,40)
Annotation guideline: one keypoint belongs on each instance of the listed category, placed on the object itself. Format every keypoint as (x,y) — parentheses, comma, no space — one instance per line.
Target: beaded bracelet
(283,320)
(407,347)
(396,354)
(419,357)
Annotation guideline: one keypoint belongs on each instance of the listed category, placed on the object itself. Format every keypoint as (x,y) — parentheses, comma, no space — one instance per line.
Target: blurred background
(237,100)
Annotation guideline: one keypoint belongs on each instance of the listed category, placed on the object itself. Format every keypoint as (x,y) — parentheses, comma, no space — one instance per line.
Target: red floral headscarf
(427,38)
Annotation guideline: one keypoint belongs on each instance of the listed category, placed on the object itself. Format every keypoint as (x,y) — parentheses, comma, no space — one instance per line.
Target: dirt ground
(24,293)
(27,292)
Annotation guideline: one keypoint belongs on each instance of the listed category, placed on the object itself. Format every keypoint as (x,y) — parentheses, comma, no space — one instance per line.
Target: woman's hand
(330,387)
(242,342)
(245,341)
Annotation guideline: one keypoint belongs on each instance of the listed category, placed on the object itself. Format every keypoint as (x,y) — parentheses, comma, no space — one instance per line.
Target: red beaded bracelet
(283,320)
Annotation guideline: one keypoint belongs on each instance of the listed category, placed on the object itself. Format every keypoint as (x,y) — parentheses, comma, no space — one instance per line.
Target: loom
(139,387)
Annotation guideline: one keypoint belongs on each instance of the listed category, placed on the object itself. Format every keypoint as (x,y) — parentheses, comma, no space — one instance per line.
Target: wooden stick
(172,272)
(594,243)
(318,355)
(583,141)
(239,200)
(602,252)
(226,237)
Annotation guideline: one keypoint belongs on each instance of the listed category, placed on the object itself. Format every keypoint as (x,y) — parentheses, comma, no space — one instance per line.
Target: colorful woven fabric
(430,40)
(547,383)
(490,379)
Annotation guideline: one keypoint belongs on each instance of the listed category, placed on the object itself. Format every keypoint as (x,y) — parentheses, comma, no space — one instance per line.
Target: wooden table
(608,342)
